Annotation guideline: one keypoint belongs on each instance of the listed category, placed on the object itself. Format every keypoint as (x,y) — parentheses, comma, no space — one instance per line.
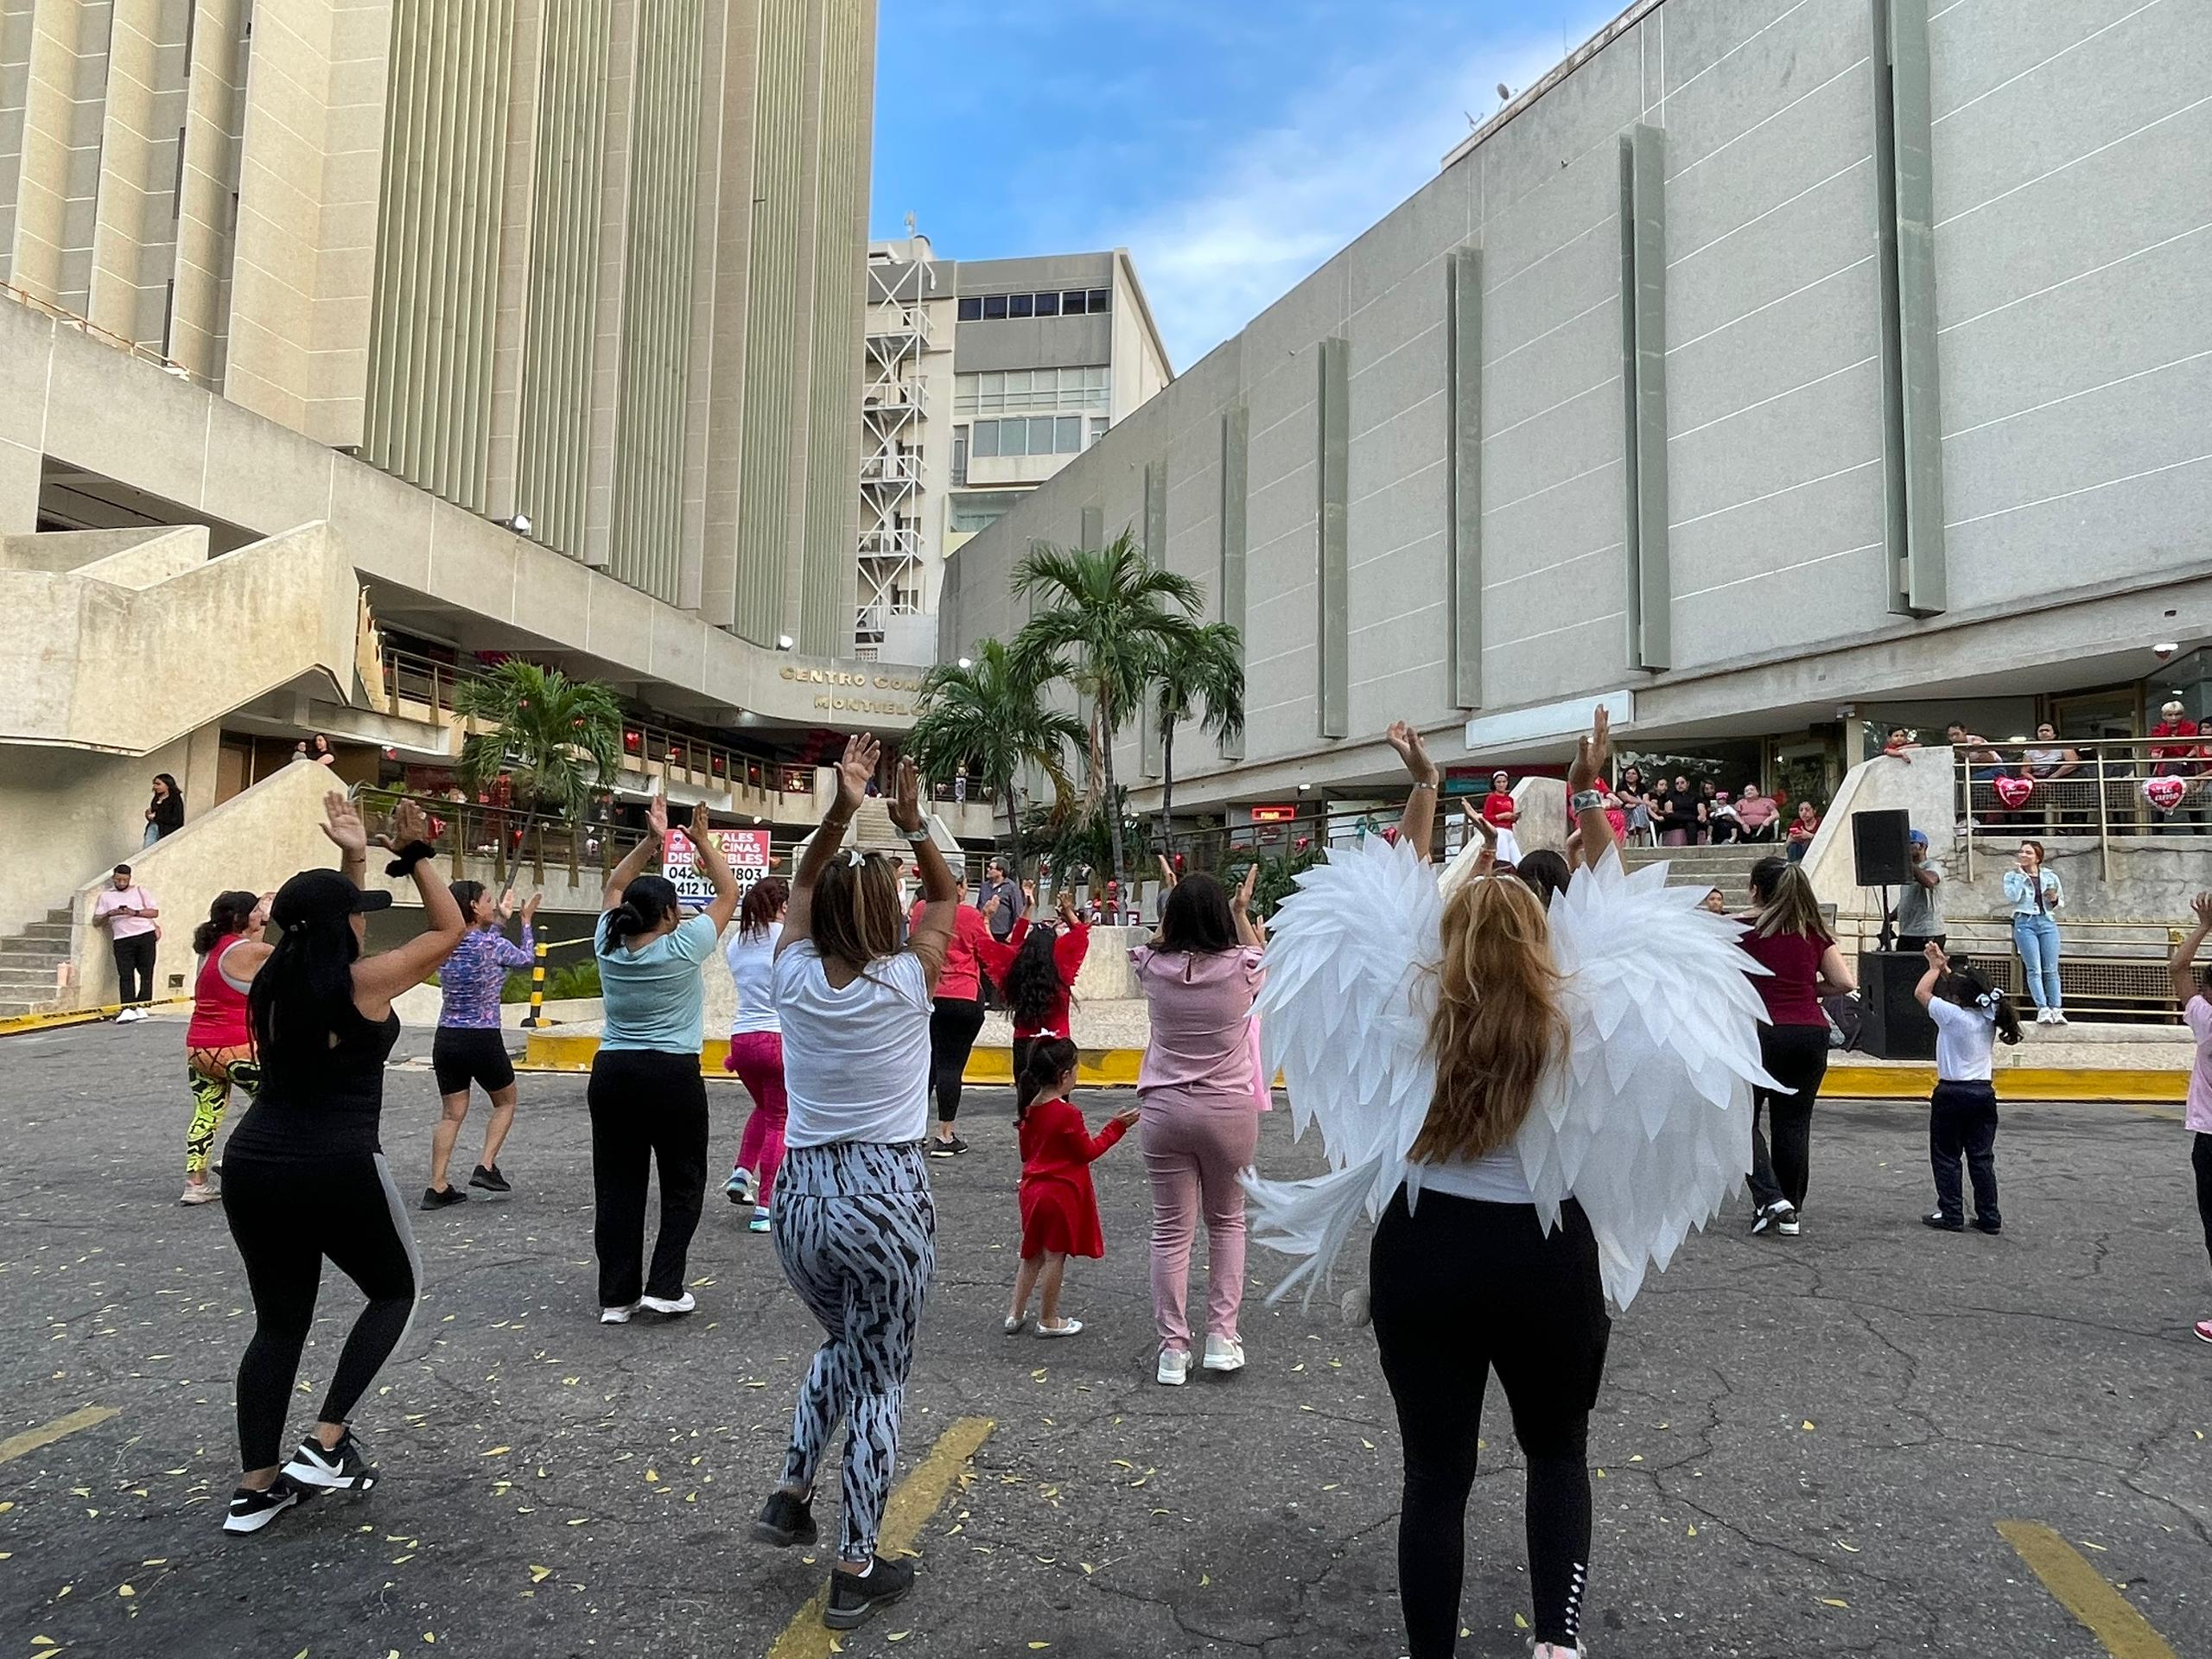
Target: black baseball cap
(314,896)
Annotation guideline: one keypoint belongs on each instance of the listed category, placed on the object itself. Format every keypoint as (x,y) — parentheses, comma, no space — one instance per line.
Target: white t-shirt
(1965,1039)
(856,1061)
(752,966)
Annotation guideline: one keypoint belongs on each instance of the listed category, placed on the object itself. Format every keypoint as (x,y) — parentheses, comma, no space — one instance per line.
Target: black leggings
(2200,1157)
(954,1023)
(1459,1288)
(288,1218)
(648,1108)
(1797,1057)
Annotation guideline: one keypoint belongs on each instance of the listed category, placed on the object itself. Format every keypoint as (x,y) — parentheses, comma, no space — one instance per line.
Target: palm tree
(1204,670)
(555,737)
(1118,616)
(990,713)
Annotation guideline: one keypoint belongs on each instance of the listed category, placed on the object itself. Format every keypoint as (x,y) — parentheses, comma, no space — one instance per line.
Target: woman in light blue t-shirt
(648,1102)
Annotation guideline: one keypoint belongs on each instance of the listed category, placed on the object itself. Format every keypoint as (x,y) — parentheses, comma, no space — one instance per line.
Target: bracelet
(1587,800)
(409,856)
(915,836)
(1425,786)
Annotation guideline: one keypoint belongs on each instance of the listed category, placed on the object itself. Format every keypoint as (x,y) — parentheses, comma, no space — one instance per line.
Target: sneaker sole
(1221,1364)
(853,1618)
(322,1480)
(240,1526)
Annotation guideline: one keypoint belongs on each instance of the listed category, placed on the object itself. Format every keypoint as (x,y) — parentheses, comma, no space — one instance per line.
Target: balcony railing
(903,471)
(897,544)
(2099,787)
(895,397)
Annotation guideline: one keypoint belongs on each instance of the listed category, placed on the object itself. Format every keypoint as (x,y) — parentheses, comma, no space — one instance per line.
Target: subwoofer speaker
(1881,847)
(1892,1026)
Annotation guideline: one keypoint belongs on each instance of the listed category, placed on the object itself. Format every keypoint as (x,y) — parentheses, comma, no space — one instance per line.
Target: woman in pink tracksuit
(1199,1110)
(756,1046)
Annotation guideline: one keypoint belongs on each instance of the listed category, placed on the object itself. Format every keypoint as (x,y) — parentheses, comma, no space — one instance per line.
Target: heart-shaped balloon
(2165,793)
(2014,790)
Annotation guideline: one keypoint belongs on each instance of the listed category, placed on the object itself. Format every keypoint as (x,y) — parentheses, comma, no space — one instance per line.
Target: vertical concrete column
(727,334)
(1643,393)
(1150,750)
(1334,638)
(1236,441)
(1464,379)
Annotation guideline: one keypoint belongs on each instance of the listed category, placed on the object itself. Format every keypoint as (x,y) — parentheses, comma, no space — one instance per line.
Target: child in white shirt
(1970,1016)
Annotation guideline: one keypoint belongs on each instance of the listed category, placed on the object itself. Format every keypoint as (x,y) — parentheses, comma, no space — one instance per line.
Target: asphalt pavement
(1803,1447)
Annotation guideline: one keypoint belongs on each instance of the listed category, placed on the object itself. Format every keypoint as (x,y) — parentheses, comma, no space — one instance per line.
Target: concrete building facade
(984,379)
(1768,366)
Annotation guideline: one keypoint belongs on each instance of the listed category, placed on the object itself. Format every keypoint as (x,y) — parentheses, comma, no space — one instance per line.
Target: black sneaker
(340,1468)
(489,1178)
(251,1511)
(952,1148)
(854,1597)
(1943,1224)
(785,1520)
(442,1198)
(1989,1224)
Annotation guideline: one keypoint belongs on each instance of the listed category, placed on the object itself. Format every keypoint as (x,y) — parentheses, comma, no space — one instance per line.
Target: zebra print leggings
(856,1232)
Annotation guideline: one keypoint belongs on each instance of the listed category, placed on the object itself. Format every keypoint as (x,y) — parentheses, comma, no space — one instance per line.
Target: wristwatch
(915,836)
(1587,800)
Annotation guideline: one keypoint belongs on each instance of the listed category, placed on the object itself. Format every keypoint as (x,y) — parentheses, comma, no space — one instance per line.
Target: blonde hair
(1791,908)
(855,914)
(1497,1025)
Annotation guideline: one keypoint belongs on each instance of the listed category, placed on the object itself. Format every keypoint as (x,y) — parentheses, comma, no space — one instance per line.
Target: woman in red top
(1059,1211)
(1789,939)
(956,1020)
(218,1043)
(1500,814)
(1036,968)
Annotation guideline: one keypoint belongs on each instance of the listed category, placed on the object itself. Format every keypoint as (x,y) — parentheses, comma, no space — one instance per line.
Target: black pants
(647,1109)
(954,1023)
(134,967)
(1914,943)
(1459,1288)
(288,1219)
(1962,1119)
(1797,1057)
(2200,1157)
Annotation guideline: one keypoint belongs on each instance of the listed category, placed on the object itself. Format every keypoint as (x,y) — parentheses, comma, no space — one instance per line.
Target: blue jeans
(2035,938)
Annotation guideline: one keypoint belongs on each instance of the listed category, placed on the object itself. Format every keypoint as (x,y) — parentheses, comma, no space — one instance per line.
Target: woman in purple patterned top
(470,1047)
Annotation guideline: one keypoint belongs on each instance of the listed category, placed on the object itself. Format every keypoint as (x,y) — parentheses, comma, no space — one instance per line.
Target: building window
(1070,389)
(1101,299)
(960,455)
(1019,305)
(1074,302)
(1033,434)
(1067,302)
(1048,305)
(980,511)
(971,310)
(993,307)
(986,441)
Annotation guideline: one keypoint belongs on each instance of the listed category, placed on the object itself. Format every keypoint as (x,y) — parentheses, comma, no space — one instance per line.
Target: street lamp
(967,662)
(785,642)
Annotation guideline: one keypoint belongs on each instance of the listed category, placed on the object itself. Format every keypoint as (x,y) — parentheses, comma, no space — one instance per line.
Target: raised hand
(1593,752)
(856,770)
(2203,905)
(529,906)
(410,824)
(1067,904)
(1247,886)
(656,818)
(1934,952)
(341,822)
(1411,750)
(907,795)
(699,825)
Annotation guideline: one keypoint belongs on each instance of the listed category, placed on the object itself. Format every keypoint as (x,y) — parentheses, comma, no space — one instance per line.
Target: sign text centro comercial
(746,849)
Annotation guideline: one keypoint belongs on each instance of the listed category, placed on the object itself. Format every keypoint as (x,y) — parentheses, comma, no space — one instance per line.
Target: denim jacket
(2022,897)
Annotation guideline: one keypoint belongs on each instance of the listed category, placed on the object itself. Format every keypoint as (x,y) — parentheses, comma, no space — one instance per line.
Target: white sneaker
(199,1192)
(2058,1016)
(683,1304)
(1175,1367)
(617,1315)
(1066,1327)
(1223,1354)
(1789,1226)
(130,1016)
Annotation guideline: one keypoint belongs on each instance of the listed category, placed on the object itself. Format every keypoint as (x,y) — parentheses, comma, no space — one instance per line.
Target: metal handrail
(2114,969)
(2100,791)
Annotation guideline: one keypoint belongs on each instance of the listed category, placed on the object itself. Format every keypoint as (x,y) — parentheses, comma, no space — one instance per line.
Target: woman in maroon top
(1789,939)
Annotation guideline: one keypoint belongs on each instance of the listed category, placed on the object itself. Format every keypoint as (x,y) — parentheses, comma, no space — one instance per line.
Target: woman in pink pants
(1199,1120)
(756,1046)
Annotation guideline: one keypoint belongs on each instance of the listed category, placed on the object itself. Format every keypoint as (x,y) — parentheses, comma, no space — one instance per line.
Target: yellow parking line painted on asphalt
(31,1440)
(22,1022)
(911,1503)
(2083,1591)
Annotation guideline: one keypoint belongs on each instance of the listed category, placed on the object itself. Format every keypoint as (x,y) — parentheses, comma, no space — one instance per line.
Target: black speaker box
(1881,847)
(1893,1024)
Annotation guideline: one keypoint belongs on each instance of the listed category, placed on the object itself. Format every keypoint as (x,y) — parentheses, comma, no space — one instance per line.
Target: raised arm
(1486,859)
(930,937)
(1248,930)
(2182,966)
(1925,992)
(1593,752)
(1420,821)
(855,768)
(342,824)
(634,861)
(708,856)
(379,978)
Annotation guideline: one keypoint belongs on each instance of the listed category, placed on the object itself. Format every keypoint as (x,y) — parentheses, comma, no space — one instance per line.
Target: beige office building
(522,326)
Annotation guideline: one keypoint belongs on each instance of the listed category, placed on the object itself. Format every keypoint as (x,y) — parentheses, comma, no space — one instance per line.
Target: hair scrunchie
(409,856)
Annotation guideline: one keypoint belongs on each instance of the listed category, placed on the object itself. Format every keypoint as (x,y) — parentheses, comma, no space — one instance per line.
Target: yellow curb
(2024,1082)
(18,1023)
(1097,1068)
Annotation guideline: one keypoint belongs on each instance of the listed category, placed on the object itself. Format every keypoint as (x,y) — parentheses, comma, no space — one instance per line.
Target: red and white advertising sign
(746,849)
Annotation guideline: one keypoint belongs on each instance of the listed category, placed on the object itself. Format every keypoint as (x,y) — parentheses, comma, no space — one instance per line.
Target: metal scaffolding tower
(892,579)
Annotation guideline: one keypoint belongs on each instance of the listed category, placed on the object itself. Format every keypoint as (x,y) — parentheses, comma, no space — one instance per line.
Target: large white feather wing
(1649,1122)
(1344,1017)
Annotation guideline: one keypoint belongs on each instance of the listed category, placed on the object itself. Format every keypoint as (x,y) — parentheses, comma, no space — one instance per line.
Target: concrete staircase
(1727,868)
(30,962)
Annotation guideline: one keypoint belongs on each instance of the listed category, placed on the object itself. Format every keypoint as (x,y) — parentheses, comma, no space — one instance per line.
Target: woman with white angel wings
(1532,1107)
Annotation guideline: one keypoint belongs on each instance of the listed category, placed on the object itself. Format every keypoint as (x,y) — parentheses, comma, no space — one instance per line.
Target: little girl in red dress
(1059,1211)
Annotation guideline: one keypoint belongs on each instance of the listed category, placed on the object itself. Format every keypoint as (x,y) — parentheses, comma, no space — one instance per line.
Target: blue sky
(1231,145)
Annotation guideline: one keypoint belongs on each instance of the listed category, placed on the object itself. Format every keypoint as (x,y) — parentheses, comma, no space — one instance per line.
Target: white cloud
(1280,204)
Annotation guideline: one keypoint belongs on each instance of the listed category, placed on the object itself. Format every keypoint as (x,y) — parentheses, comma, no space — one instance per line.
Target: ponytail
(1968,987)
(647,902)
(1050,1059)
(229,913)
